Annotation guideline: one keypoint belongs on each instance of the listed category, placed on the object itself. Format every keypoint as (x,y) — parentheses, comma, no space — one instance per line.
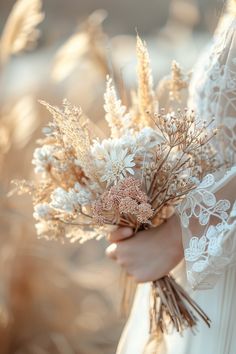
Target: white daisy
(118,165)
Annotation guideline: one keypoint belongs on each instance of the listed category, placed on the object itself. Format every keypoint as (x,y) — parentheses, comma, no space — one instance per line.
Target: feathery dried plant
(18,121)
(29,300)
(89,40)
(45,308)
(172,87)
(20,30)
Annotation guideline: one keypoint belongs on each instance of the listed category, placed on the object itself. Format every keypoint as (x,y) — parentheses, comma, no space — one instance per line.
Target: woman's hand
(148,255)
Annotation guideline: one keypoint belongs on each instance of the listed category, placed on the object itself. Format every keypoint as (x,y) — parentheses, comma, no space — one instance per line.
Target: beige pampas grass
(18,121)
(45,307)
(20,30)
(21,121)
(88,40)
(68,55)
(116,115)
(172,90)
(145,83)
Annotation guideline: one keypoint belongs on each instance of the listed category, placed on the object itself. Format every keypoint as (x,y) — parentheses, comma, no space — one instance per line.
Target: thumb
(120,234)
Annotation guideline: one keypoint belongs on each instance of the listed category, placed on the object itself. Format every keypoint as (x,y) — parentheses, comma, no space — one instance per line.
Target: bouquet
(136,177)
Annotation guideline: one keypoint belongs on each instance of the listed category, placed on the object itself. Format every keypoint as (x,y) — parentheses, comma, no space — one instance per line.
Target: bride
(202,258)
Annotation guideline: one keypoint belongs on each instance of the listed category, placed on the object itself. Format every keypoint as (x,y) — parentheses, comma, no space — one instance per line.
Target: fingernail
(111,248)
(127,231)
(111,251)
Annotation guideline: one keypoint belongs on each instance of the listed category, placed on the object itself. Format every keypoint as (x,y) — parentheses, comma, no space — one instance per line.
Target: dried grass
(46,306)
(20,30)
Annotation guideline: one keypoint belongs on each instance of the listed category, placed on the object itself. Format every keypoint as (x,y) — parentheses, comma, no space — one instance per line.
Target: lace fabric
(211,248)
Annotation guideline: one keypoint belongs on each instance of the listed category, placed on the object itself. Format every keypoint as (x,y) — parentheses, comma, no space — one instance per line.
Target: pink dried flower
(128,187)
(123,198)
(97,210)
(129,182)
(116,194)
(145,212)
(140,196)
(107,201)
(131,188)
(128,206)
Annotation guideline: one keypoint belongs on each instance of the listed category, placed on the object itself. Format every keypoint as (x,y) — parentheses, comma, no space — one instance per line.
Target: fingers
(120,234)
(111,251)
(116,252)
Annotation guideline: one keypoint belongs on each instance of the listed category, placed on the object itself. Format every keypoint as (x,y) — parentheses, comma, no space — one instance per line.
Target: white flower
(49,129)
(147,139)
(43,158)
(102,150)
(70,201)
(63,200)
(83,195)
(42,211)
(114,158)
(118,165)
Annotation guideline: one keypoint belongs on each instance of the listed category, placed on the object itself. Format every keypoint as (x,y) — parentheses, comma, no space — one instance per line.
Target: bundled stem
(171,305)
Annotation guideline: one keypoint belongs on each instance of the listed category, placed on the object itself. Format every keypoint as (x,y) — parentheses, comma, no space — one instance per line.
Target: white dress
(209,268)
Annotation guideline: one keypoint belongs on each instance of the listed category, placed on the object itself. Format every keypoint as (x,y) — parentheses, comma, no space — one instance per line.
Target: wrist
(176,237)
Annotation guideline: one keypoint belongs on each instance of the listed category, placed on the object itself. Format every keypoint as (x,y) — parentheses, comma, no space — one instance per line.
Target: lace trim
(213,93)
(207,253)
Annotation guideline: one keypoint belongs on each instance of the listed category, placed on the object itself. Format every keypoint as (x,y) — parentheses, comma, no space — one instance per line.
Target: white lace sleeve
(210,246)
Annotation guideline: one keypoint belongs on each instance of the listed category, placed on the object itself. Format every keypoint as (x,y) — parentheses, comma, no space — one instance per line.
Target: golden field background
(64,299)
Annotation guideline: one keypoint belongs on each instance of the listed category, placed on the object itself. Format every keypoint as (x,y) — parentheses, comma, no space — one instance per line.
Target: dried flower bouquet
(134,178)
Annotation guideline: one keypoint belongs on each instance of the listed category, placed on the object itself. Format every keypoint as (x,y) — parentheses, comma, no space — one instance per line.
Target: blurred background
(58,298)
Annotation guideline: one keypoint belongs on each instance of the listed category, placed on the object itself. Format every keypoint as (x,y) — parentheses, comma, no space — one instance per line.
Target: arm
(208,214)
